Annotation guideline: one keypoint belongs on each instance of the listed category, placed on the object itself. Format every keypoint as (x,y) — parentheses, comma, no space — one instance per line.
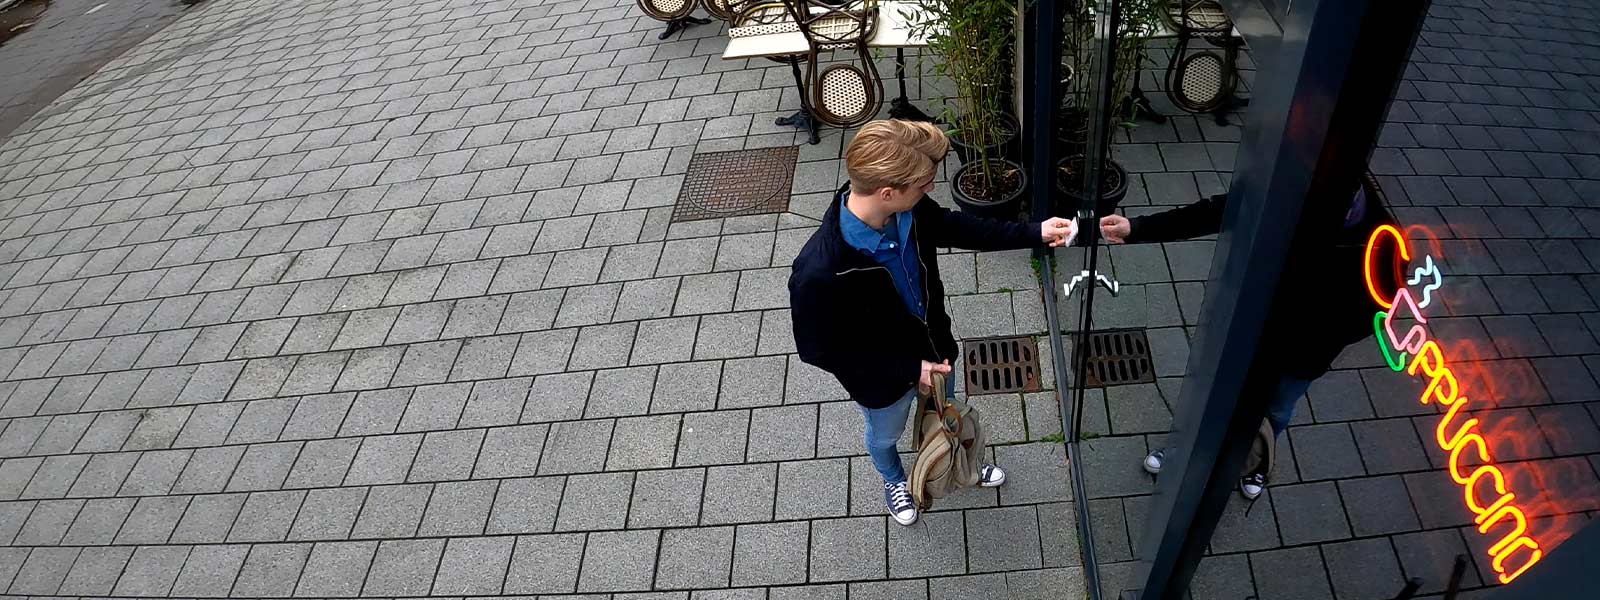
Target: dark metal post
(1042,66)
(1319,101)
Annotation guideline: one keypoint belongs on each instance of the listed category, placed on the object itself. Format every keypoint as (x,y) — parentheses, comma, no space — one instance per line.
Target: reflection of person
(866,296)
(1332,290)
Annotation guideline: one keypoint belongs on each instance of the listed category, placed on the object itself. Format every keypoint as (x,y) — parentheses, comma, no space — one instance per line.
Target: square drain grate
(1114,357)
(999,365)
(736,183)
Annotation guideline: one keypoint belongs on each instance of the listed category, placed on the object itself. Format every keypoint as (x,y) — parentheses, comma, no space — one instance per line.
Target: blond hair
(895,154)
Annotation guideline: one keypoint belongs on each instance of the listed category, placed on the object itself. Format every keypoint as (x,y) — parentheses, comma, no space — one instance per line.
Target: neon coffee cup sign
(1484,488)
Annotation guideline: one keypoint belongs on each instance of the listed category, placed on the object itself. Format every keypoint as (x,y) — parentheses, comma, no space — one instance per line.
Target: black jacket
(1327,285)
(850,321)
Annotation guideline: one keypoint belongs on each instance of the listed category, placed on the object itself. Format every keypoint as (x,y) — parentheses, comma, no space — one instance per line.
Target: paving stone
(317,416)
(48,522)
(543,352)
(739,494)
(546,564)
(848,549)
(375,412)
(150,572)
(266,516)
(446,455)
(208,470)
(458,508)
(705,294)
(713,438)
(1292,560)
(1309,512)
(526,505)
(618,561)
(664,340)
(104,475)
(498,402)
(644,443)
(695,558)
(1326,452)
(212,569)
(556,397)
(666,498)
(993,536)
(510,451)
(576,447)
(590,501)
(264,467)
(336,569)
(96,522)
(620,392)
(326,514)
(404,567)
(383,459)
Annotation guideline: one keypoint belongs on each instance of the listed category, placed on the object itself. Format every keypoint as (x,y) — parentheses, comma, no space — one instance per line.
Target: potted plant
(1072,135)
(974,40)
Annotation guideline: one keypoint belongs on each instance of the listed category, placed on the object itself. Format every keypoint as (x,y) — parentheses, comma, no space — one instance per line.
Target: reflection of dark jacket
(850,321)
(1325,288)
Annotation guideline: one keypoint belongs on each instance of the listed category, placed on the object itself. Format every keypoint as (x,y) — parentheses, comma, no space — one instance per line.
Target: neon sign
(1414,352)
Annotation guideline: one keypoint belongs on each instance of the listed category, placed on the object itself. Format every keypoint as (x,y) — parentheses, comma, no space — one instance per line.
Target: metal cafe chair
(842,94)
(1202,81)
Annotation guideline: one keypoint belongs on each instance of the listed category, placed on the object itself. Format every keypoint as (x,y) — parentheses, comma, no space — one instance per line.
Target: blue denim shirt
(891,248)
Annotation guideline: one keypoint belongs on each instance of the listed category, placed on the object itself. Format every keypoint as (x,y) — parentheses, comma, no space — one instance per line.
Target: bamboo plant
(973,39)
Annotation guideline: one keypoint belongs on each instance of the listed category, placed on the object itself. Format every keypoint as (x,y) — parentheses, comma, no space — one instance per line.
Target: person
(866,296)
(1332,289)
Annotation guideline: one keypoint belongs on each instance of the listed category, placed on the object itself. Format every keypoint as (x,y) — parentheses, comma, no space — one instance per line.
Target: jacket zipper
(926,330)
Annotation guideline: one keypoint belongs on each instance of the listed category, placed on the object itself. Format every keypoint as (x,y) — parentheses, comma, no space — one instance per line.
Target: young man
(866,297)
(1331,288)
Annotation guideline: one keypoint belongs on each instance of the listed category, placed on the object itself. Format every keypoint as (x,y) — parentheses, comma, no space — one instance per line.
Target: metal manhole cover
(1116,357)
(736,183)
(999,365)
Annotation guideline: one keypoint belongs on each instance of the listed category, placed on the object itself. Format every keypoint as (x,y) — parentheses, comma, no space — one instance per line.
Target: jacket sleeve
(821,343)
(1191,221)
(956,229)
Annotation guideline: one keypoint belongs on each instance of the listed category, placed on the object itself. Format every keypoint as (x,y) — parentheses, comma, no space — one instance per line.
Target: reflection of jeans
(1290,389)
(884,426)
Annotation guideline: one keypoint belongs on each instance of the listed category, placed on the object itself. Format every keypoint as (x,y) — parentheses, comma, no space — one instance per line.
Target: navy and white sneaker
(1252,485)
(1152,462)
(990,476)
(898,497)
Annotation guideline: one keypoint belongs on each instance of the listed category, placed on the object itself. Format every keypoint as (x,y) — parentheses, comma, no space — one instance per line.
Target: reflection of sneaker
(901,507)
(990,476)
(1152,463)
(1252,485)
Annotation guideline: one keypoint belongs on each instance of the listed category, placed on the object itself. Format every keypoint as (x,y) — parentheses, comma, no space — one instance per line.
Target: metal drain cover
(999,365)
(736,183)
(1115,357)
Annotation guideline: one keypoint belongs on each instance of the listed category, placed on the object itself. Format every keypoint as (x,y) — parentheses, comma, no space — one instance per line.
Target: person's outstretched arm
(1190,221)
(956,229)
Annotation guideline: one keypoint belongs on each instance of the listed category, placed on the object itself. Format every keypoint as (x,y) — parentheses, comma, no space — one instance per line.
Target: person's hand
(925,384)
(1115,228)
(1058,231)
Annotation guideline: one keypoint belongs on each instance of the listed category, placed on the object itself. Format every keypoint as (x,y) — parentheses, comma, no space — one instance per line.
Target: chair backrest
(829,24)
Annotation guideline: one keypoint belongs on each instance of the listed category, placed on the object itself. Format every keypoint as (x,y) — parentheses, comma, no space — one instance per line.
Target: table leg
(1140,101)
(802,119)
(680,24)
(901,107)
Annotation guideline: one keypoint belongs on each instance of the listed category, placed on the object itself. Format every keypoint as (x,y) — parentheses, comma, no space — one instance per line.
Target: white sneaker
(901,507)
(1152,462)
(990,476)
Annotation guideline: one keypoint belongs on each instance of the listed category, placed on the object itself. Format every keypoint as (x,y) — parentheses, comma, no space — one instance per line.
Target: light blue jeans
(884,426)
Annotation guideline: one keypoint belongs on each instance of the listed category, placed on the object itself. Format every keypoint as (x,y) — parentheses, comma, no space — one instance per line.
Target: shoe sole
(995,484)
(903,523)
(1152,470)
(1248,496)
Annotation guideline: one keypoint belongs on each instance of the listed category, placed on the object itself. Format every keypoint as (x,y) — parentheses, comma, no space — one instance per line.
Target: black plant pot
(1002,203)
(1005,148)
(1069,187)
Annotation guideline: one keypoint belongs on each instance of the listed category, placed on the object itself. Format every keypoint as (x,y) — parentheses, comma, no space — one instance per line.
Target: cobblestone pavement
(326,298)
(1493,145)
(67,41)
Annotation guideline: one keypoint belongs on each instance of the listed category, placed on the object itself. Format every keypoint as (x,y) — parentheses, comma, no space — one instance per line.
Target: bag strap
(949,414)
